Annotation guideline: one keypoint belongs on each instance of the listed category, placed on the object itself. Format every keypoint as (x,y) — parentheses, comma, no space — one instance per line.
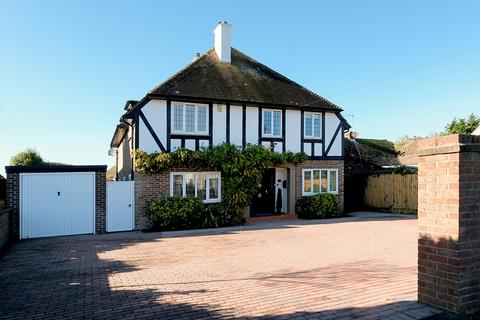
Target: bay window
(319,181)
(202,185)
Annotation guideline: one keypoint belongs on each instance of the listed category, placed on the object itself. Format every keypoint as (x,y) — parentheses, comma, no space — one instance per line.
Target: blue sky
(67,67)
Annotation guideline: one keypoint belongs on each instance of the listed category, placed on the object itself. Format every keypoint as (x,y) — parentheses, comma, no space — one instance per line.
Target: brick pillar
(449,223)
(100,202)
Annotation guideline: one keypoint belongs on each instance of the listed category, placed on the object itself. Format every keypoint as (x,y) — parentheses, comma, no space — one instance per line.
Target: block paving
(359,267)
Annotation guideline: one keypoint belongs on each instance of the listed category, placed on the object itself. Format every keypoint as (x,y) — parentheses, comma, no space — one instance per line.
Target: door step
(273,217)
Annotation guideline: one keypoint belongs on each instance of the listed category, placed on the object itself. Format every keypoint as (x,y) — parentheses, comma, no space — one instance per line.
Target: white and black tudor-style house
(226,96)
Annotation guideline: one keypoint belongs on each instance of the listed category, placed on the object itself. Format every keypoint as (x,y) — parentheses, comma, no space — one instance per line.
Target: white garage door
(54,204)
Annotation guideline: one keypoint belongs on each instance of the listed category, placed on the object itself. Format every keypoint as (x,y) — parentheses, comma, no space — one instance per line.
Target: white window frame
(270,134)
(208,175)
(312,136)
(184,114)
(309,193)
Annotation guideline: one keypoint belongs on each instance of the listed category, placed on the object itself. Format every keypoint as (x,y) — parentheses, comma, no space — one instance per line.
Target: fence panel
(392,191)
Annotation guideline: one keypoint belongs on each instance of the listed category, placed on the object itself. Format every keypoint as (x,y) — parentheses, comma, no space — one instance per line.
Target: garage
(55,204)
(57,200)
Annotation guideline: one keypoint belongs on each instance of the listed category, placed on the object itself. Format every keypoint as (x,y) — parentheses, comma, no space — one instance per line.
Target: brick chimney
(223,43)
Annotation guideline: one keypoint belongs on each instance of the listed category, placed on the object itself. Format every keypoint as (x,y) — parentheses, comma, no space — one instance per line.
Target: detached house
(226,96)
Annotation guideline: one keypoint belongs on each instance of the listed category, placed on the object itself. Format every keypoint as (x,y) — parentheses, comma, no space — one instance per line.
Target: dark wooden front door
(264,200)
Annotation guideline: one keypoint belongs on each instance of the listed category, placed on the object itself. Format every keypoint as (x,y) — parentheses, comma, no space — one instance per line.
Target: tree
(462,126)
(29,157)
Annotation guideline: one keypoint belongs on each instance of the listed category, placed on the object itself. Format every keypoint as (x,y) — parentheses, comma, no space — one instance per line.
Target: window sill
(176,135)
(272,138)
(312,194)
(212,201)
(312,139)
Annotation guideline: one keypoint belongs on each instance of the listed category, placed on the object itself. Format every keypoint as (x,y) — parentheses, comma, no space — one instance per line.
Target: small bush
(223,216)
(2,204)
(318,206)
(29,157)
(176,213)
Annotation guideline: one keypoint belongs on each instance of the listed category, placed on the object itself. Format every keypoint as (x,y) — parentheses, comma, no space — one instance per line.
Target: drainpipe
(122,120)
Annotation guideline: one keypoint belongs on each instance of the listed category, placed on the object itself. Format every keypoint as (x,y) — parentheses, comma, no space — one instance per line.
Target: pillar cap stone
(454,143)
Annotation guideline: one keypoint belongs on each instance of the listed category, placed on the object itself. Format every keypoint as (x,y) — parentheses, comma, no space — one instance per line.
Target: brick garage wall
(13,202)
(100,202)
(13,197)
(3,188)
(321,164)
(449,223)
(4,228)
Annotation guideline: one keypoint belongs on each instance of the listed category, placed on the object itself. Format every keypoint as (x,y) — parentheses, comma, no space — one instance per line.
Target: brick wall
(13,202)
(4,228)
(100,202)
(147,187)
(321,164)
(449,223)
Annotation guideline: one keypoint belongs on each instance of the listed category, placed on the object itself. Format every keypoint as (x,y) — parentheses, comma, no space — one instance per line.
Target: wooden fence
(392,191)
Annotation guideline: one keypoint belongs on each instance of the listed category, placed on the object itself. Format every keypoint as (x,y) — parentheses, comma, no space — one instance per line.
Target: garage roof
(56,168)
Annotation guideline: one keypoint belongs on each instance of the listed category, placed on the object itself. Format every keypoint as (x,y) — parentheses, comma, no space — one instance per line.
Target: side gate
(120,206)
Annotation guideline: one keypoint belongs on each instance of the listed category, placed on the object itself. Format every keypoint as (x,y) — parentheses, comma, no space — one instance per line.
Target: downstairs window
(319,181)
(202,185)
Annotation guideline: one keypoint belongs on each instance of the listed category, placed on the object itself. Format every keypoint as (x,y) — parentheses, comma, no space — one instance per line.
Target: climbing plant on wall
(241,168)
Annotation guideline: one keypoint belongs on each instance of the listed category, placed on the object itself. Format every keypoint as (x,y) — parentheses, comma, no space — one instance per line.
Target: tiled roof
(244,80)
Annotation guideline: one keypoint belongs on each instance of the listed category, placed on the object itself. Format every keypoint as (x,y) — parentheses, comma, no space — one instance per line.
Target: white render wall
(331,124)
(236,118)
(156,113)
(220,122)
(293,130)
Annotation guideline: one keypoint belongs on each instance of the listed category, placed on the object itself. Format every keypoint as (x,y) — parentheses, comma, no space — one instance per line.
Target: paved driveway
(362,267)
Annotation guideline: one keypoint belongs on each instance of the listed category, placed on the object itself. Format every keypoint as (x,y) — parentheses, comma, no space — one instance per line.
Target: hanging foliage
(241,168)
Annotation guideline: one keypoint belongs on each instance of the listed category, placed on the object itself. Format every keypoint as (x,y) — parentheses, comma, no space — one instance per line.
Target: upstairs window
(202,185)
(319,181)
(189,119)
(312,125)
(272,123)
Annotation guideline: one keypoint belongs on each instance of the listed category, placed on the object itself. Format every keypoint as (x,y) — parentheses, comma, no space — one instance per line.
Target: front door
(264,200)
(281,190)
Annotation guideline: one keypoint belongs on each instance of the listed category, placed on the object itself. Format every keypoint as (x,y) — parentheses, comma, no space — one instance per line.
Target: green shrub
(29,157)
(319,206)
(222,216)
(174,213)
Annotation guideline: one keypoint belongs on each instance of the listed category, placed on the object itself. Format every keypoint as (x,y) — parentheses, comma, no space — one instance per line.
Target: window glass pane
(324,180)
(177,185)
(277,123)
(267,122)
(213,192)
(316,125)
(308,125)
(190,118)
(307,181)
(178,118)
(202,118)
(190,184)
(333,181)
(316,181)
(201,186)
